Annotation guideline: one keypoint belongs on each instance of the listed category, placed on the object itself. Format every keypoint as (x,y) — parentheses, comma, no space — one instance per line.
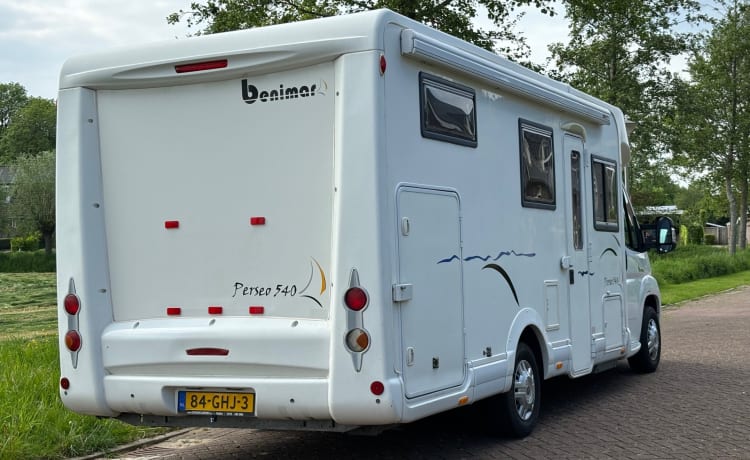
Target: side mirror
(665,235)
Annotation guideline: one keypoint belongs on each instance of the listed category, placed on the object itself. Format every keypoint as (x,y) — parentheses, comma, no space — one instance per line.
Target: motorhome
(349,222)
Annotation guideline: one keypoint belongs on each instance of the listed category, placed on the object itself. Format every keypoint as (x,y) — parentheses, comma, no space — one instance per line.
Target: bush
(4,244)
(26,243)
(695,234)
(27,262)
(690,263)
(709,239)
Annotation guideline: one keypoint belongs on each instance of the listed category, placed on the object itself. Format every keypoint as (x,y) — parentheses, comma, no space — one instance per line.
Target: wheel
(647,358)
(516,412)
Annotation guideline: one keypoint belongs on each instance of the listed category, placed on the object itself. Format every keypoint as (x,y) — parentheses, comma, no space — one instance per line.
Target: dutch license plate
(209,402)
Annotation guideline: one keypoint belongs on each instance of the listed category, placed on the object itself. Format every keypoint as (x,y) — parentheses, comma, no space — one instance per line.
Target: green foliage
(618,52)
(32,129)
(4,244)
(12,98)
(711,119)
(695,234)
(27,262)
(26,243)
(683,235)
(33,421)
(674,293)
(693,262)
(451,16)
(709,239)
(33,195)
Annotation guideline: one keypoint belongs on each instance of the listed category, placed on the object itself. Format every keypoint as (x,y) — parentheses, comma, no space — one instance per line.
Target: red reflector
(215,310)
(257,310)
(64,383)
(257,221)
(200,66)
(207,352)
(172,224)
(377,388)
(383,64)
(72,304)
(73,340)
(174,311)
(355,298)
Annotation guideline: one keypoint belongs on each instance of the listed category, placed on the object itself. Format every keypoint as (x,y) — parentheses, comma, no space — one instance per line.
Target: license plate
(208,402)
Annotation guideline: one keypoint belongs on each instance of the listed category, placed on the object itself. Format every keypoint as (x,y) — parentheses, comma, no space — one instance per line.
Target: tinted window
(537,166)
(448,111)
(604,187)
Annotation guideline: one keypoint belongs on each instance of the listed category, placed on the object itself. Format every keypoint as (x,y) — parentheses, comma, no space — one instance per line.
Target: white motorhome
(345,222)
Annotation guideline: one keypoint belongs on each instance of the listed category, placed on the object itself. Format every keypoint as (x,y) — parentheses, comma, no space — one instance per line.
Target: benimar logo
(251,94)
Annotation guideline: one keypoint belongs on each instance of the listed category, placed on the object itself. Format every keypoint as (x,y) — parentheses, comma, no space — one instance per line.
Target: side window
(604,186)
(537,166)
(447,110)
(631,227)
(575,181)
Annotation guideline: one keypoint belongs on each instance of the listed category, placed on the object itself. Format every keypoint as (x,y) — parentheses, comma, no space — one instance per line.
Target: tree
(12,98)
(451,16)
(32,130)
(714,114)
(33,195)
(617,51)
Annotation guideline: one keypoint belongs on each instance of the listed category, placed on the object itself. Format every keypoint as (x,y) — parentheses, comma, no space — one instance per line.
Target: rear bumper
(275,399)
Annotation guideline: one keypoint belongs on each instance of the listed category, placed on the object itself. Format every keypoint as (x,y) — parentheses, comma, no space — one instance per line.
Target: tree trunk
(743,212)
(47,243)
(732,212)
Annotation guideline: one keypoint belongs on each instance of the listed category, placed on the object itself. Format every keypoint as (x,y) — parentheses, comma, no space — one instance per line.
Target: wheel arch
(527,327)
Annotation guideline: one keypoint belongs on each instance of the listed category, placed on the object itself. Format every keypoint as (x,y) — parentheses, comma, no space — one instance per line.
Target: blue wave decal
(449,259)
(586,273)
(488,257)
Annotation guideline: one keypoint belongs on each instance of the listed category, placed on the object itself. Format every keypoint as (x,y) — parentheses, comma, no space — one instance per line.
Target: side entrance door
(429,291)
(576,260)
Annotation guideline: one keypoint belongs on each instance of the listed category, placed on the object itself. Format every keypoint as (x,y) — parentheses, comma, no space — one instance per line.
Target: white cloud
(36,36)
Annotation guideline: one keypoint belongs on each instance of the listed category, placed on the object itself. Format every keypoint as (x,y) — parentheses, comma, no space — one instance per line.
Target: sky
(37,36)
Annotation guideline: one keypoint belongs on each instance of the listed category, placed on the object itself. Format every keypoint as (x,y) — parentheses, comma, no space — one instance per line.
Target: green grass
(690,263)
(675,293)
(26,262)
(33,421)
(27,304)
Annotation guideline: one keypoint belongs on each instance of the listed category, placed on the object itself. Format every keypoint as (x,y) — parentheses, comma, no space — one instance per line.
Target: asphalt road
(696,406)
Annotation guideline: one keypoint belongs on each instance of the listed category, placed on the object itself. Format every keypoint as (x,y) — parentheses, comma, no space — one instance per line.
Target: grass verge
(675,293)
(33,421)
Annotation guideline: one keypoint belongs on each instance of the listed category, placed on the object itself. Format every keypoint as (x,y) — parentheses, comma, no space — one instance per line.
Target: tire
(516,412)
(647,358)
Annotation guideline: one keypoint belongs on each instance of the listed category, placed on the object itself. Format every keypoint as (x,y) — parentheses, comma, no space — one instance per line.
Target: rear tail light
(377,388)
(64,383)
(357,340)
(356,298)
(73,340)
(201,66)
(72,304)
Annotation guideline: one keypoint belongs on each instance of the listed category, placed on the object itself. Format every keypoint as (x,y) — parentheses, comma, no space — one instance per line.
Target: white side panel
(81,249)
